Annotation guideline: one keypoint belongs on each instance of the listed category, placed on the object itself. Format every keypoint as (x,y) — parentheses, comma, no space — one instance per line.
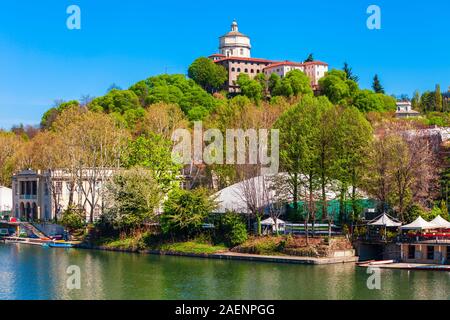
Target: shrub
(232,229)
(72,219)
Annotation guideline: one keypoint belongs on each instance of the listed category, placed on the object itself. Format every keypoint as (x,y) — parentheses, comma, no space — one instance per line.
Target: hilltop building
(404,110)
(235,56)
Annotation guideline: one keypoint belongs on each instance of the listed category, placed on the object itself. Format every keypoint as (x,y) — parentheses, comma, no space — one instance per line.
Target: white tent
(385,221)
(441,222)
(269,225)
(419,224)
(271,222)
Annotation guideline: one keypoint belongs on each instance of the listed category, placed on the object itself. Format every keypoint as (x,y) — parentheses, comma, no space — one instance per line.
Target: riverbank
(229,255)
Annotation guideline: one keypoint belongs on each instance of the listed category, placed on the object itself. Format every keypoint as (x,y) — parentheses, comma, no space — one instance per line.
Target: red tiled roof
(217,55)
(315,63)
(246,59)
(285,63)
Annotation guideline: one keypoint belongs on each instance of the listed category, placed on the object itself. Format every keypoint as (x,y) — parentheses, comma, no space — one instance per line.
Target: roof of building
(441,222)
(217,55)
(316,62)
(246,59)
(284,63)
(386,221)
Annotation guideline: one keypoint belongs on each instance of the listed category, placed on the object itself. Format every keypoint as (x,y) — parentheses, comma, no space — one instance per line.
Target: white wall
(5,199)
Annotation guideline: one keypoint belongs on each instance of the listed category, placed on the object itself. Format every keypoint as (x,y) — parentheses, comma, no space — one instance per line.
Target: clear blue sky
(123,42)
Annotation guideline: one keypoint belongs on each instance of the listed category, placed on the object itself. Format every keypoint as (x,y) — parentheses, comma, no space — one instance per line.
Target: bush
(72,219)
(232,229)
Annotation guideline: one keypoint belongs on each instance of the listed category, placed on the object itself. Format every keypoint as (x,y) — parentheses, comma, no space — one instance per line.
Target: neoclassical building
(44,195)
(235,55)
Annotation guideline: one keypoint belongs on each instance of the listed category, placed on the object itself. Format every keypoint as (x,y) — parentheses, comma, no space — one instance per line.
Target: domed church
(235,56)
(234,43)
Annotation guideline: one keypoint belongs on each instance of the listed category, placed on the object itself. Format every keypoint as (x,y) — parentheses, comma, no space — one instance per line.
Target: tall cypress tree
(349,72)
(438,98)
(377,87)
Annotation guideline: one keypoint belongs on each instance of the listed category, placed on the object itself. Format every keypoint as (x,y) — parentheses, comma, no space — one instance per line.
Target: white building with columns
(44,195)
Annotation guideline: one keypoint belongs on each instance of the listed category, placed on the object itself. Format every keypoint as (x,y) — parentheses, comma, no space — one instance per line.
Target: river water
(33,272)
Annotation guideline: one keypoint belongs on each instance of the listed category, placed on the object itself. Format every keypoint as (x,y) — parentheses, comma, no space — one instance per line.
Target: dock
(406,266)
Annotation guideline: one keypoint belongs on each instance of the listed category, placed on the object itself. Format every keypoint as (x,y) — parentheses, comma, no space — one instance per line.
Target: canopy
(441,222)
(420,224)
(385,221)
(270,222)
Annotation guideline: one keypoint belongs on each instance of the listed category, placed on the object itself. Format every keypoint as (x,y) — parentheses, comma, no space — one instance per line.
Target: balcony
(27,197)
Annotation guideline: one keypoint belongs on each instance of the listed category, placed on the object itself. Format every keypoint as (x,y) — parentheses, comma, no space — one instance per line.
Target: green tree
(250,88)
(209,75)
(349,73)
(336,87)
(310,58)
(299,82)
(153,152)
(50,115)
(133,199)
(415,102)
(274,84)
(438,98)
(376,85)
(185,211)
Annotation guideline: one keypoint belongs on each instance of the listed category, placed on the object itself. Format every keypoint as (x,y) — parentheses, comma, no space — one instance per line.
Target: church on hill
(235,55)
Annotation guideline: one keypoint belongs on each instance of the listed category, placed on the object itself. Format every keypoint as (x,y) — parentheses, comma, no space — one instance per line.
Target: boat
(60,245)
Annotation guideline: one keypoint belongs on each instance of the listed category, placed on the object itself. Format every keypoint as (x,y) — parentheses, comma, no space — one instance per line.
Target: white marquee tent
(441,222)
(384,221)
(420,224)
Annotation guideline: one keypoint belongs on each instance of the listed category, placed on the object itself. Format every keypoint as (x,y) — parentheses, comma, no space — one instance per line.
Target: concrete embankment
(239,256)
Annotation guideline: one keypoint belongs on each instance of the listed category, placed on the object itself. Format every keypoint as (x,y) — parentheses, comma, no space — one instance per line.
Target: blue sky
(123,42)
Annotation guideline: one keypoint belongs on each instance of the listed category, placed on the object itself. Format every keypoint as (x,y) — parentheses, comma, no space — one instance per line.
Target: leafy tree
(231,229)
(209,75)
(376,85)
(153,152)
(50,115)
(250,88)
(299,82)
(174,89)
(349,73)
(133,199)
(73,219)
(9,151)
(336,86)
(415,102)
(186,211)
(274,84)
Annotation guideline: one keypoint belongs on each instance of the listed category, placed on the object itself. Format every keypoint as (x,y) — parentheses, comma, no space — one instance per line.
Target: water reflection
(28,272)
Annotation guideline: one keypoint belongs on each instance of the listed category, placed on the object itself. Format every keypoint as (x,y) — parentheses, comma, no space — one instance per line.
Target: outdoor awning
(385,221)
(441,222)
(270,222)
(420,224)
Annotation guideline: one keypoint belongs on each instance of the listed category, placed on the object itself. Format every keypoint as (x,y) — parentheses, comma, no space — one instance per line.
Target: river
(33,272)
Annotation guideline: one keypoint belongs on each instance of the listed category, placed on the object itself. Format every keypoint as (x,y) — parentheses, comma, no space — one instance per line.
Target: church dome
(235,43)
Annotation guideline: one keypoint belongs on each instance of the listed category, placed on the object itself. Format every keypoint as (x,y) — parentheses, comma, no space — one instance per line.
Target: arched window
(242,51)
(239,70)
(232,69)
(246,70)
